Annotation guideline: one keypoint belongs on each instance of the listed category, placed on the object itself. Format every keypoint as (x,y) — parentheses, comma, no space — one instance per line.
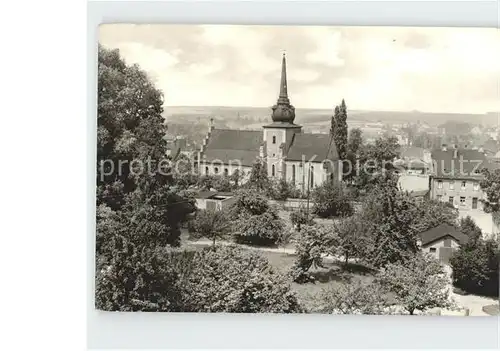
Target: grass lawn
(334,274)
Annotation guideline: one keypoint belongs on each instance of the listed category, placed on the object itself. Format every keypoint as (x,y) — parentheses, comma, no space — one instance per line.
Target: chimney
(211,125)
(444,147)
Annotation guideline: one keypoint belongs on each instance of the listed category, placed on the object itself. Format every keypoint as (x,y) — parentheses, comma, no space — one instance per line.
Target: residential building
(456,176)
(304,159)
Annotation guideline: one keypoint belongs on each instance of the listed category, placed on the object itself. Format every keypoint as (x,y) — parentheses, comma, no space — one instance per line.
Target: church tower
(279,134)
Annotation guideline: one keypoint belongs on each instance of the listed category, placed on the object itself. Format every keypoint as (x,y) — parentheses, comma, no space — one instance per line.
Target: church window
(272,170)
(216,170)
(206,170)
(293,174)
(274,139)
(226,172)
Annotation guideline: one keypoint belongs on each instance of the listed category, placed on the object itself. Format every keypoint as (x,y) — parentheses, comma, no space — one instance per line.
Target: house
(441,241)
(303,159)
(456,176)
(414,160)
(213,200)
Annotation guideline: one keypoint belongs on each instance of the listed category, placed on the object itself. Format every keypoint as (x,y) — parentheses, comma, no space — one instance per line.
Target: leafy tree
(130,128)
(491,186)
(389,222)
(256,222)
(258,177)
(281,190)
(475,267)
(312,243)
(351,239)
(210,224)
(355,143)
(301,217)
(229,279)
(262,230)
(356,297)
(330,200)
(470,228)
(431,213)
(419,284)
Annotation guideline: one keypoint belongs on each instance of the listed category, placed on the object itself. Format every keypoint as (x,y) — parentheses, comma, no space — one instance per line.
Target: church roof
(306,146)
(234,146)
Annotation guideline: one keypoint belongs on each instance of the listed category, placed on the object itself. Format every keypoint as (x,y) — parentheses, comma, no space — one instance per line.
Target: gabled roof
(446,165)
(440,232)
(228,145)
(305,146)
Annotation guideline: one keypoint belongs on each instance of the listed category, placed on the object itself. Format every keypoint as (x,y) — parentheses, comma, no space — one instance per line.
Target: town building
(303,159)
(456,177)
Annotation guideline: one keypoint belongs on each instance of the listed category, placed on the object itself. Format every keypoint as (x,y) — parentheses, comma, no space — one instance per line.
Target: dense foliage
(229,279)
(312,243)
(419,284)
(339,129)
(210,224)
(357,297)
(331,200)
(256,222)
(475,267)
(301,217)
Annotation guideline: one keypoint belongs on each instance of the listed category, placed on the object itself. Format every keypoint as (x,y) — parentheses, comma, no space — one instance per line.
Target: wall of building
(438,245)
(471,191)
(483,220)
(217,169)
(318,174)
(413,182)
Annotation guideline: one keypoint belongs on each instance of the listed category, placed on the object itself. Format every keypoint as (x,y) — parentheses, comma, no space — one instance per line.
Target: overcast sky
(426,69)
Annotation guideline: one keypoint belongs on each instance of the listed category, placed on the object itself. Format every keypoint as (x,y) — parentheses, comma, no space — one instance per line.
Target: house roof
(440,232)
(446,165)
(306,146)
(233,146)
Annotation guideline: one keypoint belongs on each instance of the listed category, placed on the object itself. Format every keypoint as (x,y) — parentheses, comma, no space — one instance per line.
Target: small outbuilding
(441,241)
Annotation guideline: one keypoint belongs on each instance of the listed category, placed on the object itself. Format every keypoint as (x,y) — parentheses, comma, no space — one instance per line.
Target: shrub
(356,297)
(475,267)
(330,200)
(301,217)
(229,279)
(261,230)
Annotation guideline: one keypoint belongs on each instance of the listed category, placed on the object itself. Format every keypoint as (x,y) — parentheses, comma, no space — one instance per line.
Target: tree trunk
(213,243)
(346,254)
(411,312)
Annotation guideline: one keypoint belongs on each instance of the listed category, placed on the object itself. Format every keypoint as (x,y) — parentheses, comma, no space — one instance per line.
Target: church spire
(283,111)
(283,87)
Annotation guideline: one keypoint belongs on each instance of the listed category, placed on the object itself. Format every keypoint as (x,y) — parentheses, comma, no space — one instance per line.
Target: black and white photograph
(298,169)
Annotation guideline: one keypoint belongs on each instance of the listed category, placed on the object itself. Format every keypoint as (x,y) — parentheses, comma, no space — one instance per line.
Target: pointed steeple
(283,87)
(283,111)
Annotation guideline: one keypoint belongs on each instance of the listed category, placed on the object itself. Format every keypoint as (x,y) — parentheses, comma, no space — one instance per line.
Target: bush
(261,230)
(355,297)
(229,279)
(475,267)
(330,200)
(301,217)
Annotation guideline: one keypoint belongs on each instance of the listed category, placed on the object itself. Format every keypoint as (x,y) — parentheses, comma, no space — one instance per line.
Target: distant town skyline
(450,70)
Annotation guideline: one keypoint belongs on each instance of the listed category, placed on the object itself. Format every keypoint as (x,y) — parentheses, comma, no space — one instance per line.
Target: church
(303,159)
